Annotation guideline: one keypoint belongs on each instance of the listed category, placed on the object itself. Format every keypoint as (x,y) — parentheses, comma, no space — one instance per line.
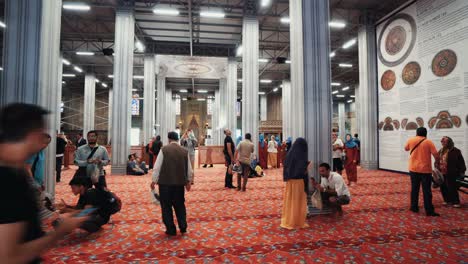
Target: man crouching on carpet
(172,171)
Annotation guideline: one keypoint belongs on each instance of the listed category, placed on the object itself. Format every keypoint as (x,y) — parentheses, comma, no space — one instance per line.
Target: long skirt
(272,159)
(294,211)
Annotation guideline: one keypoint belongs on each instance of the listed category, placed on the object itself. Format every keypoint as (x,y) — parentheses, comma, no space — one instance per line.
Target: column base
(119,169)
(369,164)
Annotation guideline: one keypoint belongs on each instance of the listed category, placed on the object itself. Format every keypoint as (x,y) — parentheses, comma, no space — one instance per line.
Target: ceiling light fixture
(340,95)
(265,3)
(352,96)
(265,81)
(285,20)
(239,80)
(212,13)
(201,99)
(110,76)
(184,91)
(261,93)
(2,24)
(166,11)
(1,68)
(334,92)
(97,80)
(63,82)
(66,62)
(138,77)
(337,24)
(139,46)
(263,60)
(332,54)
(104,84)
(239,51)
(288,61)
(335,84)
(85,53)
(345,89)
(78,69)
(345,65)
(68,75)
(275,90)
(349,43)
(350,101)
(202,91)
(184,99)
(76,6)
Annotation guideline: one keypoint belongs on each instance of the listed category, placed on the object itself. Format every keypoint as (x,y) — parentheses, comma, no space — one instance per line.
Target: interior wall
(274,107)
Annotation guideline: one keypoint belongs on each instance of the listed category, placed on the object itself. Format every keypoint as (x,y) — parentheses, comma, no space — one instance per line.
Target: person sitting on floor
(141,164)
(333,189)
(132,166)
(89,198)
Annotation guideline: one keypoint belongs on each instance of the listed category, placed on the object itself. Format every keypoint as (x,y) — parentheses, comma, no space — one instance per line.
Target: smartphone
(86,212)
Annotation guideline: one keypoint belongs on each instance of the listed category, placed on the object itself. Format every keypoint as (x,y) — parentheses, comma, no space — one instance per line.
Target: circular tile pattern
(395,40)
(411,73)
(444,62)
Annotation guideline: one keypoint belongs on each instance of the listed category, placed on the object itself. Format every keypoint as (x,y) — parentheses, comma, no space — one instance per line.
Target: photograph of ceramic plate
(397,39)
(444,62)
(411,73)
(432,122)
(388,127)
(443,124)
(456,121)
(396,124)
(420,121)
(443,115)
(411,126)
(404,122)
(388,80)
(381,124)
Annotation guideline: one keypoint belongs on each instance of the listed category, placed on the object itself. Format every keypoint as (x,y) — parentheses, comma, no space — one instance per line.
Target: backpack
(112,204)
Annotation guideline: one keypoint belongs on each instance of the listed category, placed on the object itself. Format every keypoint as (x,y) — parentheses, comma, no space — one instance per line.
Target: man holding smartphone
(91,158)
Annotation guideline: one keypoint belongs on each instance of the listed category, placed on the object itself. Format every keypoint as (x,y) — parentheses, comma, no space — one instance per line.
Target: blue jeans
(424,179)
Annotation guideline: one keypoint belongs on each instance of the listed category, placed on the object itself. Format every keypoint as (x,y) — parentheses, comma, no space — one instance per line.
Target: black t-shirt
(157,145)
(95,198)
(227,140)
(18,203)
(61,144)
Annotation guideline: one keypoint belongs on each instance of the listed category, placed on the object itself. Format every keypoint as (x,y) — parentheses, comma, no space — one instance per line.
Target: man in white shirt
(337,153)
(172,172)
(334,191)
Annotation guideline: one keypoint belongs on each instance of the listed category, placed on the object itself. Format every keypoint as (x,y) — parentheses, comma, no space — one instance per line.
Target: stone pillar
(342,120)
(296,109)
(229,99)
(287,113)
(368,94)
(89,106)
(216,119)
(352,121)
(58,116)
(263,107)
(250,79)
(32,65)
(161,108)
(109,117)
(318,97)
(149,98)
(123,80)
(357,110)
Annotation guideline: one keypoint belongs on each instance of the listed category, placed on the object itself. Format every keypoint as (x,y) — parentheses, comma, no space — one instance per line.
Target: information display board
(423,77)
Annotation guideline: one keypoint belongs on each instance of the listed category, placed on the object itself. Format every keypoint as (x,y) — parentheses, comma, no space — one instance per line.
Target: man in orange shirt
(420,169)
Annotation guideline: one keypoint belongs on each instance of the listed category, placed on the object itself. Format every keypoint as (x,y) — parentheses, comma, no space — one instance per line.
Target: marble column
(109,117)
(169,115)
(263,107)
(357,109)
(296,109)
(216,120)
(89,106)
(287,113)
(250,80)
(367,98)
(161,108)
(318,97)
(149,98)
(123,81)
(32,65)
(229,101)
(58,111)
(352,121)
(341,120)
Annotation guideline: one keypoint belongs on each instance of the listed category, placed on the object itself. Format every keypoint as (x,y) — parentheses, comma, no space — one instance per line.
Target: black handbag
(81,172)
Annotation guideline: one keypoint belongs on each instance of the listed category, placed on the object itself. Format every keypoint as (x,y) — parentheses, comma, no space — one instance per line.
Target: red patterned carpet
(232,227)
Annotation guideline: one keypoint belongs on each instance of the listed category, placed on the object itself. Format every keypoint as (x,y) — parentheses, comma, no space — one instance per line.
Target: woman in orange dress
(351,149)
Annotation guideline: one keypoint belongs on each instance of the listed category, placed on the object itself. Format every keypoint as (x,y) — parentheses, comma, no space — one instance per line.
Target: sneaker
(204,166)
(432,214)
(211,166)
(414,210)
(456,205)
(170,233)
